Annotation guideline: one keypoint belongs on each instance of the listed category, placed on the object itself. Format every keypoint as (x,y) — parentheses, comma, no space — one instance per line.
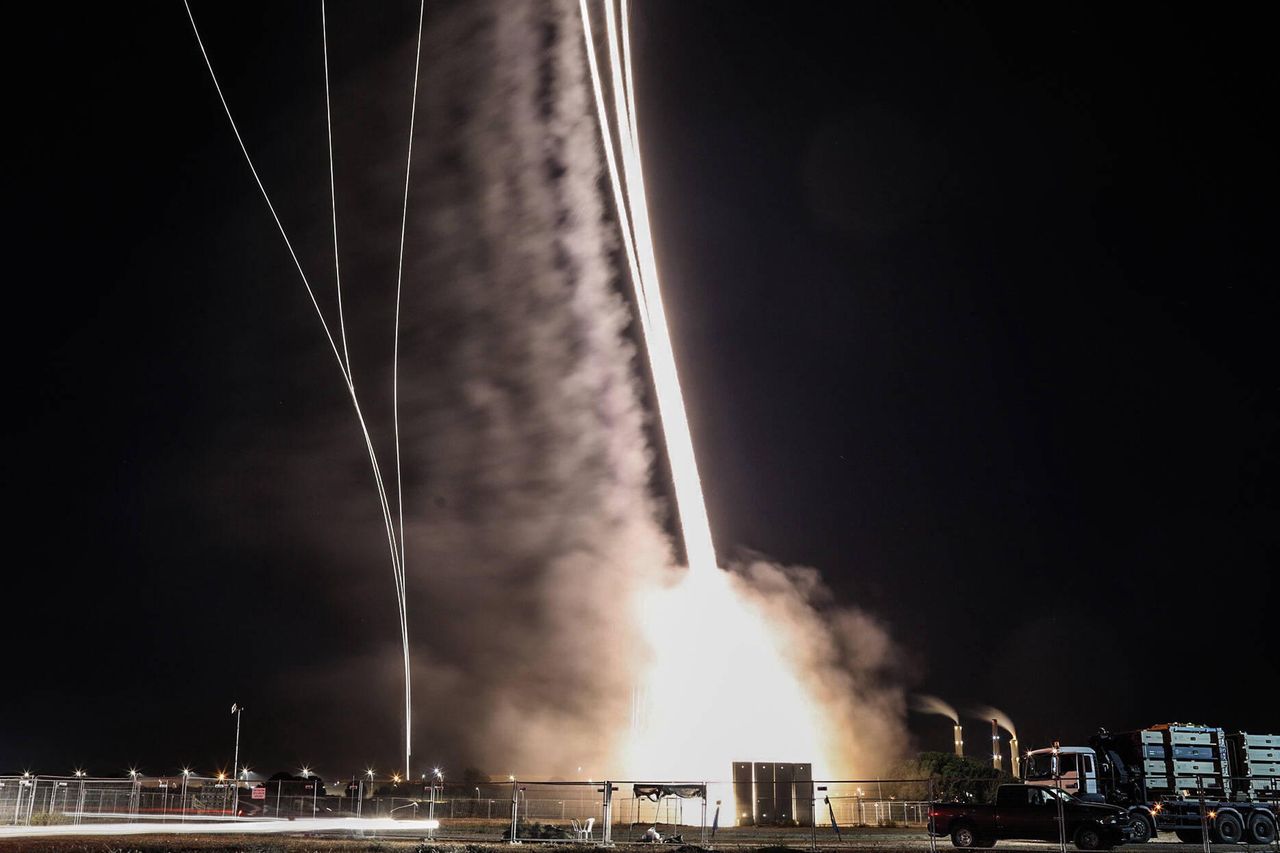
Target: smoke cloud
(986,712)
(544,597)
(926,704)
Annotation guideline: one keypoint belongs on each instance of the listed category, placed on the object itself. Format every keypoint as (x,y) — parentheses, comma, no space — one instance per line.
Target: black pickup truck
(1030,812)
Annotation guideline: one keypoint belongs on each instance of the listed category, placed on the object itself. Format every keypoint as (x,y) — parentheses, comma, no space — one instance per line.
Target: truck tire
(1227,829)
(1142,828)
(963,836)
(1262,829)
(1088,837)
(1189,836)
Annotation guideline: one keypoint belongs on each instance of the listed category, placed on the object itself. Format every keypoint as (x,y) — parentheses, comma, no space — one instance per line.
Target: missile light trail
(691,506)
(741,649)
(394,531)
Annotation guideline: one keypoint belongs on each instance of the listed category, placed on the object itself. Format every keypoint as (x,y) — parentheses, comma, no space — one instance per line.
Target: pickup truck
(1030,812)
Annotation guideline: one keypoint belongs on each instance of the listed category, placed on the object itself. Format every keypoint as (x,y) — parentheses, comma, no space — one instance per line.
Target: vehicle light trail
(228,827)
(691,507)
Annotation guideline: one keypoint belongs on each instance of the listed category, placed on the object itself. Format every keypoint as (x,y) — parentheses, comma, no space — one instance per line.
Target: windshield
(1039,766)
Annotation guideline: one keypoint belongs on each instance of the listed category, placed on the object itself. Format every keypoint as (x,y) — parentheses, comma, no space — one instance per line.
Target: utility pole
(235,764)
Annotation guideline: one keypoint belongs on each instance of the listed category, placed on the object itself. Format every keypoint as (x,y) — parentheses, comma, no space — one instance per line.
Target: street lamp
(135,793)
(186,777)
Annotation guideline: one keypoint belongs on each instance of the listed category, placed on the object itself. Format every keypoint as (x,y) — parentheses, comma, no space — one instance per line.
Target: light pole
(135,792)
(80,774)
(186,777)
(315,787)
(437,776)
(236,709)
(360,803)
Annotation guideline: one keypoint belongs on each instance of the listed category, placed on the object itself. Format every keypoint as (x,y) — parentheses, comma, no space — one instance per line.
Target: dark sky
(974,304)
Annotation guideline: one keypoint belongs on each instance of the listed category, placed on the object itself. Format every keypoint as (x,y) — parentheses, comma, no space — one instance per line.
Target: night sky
(974,307)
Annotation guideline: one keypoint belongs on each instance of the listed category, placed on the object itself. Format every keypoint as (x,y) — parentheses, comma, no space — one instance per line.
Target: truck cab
(1071,768)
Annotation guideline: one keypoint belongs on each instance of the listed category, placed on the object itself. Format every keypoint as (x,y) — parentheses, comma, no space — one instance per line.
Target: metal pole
(235,766)
(607,835)
(1057,780)
(813,817)
(1204,818)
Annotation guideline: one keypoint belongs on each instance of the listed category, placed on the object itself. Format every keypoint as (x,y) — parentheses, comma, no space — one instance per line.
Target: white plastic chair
(584,831)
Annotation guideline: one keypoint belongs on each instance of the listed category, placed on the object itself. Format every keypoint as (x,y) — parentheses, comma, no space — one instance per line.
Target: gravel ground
(878,843)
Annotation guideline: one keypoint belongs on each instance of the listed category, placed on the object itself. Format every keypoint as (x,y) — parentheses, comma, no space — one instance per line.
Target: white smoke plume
(926,704)
(986,712)
(538,565)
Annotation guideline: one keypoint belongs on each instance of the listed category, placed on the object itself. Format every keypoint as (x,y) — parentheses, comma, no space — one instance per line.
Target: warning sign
(260,792)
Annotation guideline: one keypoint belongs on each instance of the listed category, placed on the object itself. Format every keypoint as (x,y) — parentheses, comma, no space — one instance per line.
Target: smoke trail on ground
(541,580)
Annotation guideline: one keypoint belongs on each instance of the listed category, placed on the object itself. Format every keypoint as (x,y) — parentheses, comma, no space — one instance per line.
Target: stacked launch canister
(1256,760)
(1178,757)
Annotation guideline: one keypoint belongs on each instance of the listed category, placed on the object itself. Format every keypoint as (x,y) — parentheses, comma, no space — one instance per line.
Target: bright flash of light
(747,670)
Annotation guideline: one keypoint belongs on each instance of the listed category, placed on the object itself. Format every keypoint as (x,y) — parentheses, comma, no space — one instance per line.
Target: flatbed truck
(1175,777)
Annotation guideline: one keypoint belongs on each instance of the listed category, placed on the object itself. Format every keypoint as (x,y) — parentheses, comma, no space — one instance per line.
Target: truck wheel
(1088,837)
(1142,830)
(962,836)
(1227,829)
(1262,829)
(1189,836)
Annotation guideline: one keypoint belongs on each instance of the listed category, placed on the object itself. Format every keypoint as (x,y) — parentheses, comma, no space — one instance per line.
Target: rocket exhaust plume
(556,629)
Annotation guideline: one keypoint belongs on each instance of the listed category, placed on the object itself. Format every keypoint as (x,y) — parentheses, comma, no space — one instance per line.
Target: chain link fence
(799,814)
